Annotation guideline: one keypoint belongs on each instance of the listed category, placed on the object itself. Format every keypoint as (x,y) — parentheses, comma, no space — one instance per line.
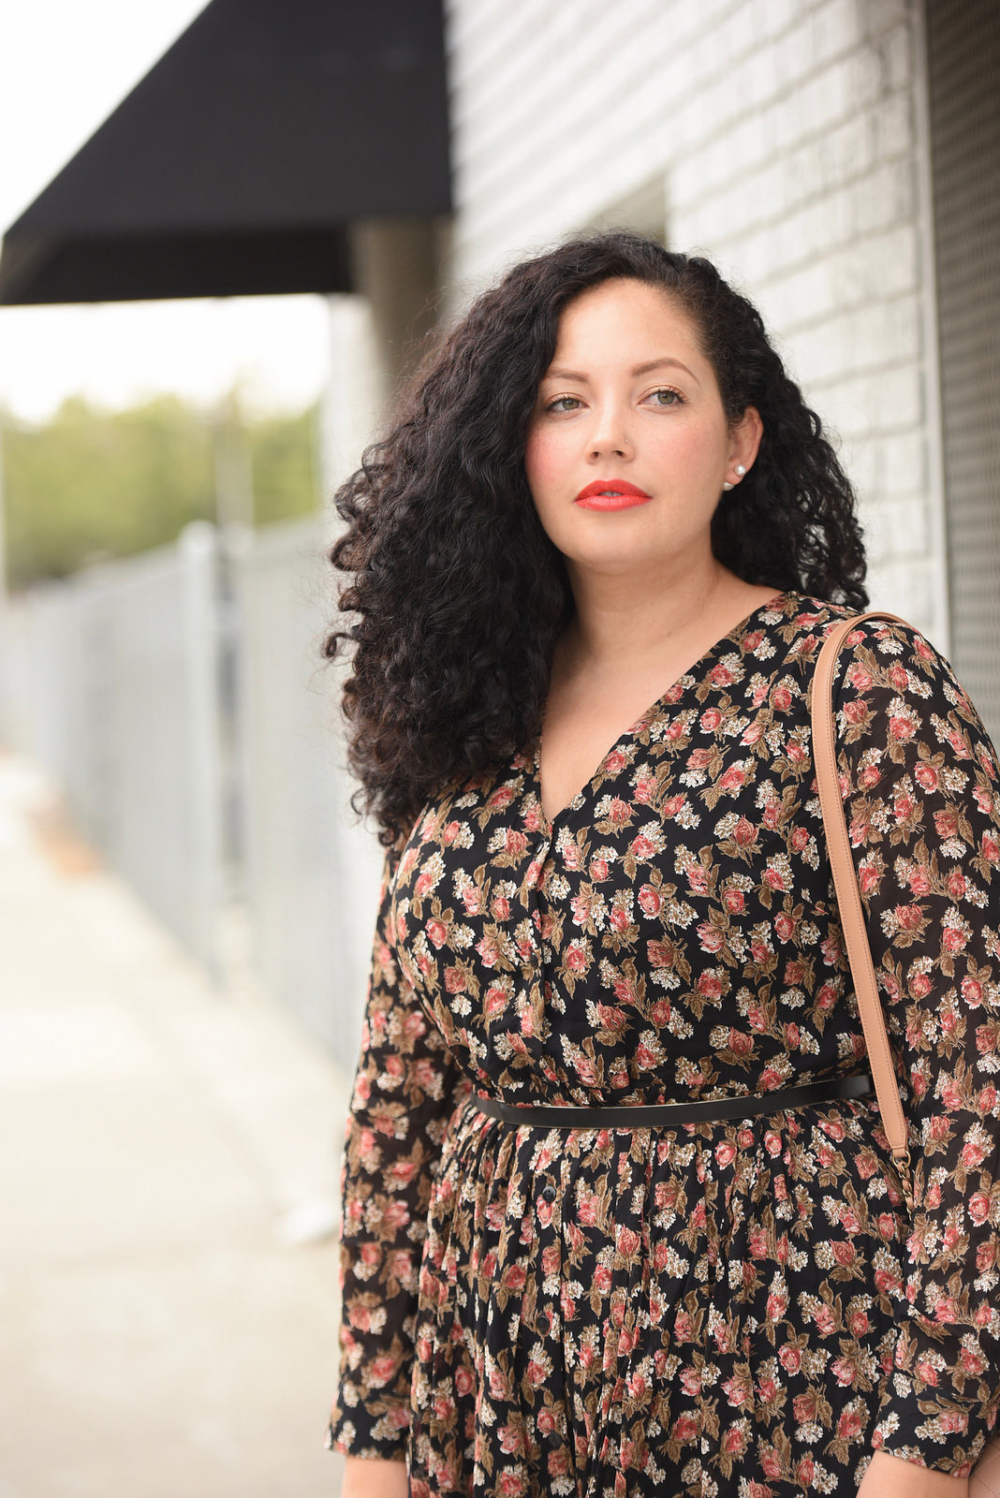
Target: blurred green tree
(284,454)
(91,484)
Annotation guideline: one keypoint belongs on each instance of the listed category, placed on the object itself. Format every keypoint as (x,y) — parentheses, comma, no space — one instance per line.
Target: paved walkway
(168,1161)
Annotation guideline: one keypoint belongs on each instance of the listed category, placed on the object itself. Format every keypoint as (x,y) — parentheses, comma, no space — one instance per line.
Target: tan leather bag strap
(852,917)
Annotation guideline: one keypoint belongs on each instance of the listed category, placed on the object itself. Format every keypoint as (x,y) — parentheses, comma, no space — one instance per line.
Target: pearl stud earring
(740,470)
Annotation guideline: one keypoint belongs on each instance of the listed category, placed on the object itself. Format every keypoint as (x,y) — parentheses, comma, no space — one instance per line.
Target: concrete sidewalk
(168,1181)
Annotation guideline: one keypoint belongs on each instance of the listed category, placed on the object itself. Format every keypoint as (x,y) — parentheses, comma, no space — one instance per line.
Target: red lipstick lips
(611,494)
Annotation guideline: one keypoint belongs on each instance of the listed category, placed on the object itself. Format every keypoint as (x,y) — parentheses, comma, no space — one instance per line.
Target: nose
(610,432)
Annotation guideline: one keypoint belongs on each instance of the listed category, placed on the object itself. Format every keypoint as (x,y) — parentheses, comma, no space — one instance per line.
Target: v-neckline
(548,827)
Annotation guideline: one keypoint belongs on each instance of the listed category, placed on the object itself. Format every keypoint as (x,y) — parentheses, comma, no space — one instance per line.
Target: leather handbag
(984,1480)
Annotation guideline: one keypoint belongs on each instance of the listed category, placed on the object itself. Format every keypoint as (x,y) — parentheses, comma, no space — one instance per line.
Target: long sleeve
(921,782)
(405,1087)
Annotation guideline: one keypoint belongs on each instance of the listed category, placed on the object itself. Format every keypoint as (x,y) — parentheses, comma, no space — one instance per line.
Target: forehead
(620,318)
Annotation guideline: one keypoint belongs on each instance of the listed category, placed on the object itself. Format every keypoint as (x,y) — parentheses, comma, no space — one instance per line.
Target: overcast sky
(63,68)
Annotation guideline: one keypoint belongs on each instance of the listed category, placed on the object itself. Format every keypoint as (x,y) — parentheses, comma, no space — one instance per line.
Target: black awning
(236,165)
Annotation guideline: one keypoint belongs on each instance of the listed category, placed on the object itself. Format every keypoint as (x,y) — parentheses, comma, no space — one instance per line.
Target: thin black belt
(640,1116)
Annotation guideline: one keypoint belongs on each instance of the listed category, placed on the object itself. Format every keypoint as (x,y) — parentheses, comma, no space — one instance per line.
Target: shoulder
(876,645)
(894,656)
(895,691)
(798,622)
(392,855)
(794,631)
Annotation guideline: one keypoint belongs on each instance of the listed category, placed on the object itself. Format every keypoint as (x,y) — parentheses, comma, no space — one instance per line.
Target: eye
(665,390)
(674,398)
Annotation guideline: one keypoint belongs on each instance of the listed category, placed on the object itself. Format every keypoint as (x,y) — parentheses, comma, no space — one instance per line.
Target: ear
(745,438)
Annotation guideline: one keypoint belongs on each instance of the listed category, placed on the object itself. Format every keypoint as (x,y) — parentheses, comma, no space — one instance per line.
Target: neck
(621,622)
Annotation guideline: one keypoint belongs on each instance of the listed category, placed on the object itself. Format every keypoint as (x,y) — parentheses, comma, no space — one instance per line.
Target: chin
(612,557)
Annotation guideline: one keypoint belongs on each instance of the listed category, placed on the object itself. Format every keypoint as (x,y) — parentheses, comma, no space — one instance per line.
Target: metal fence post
(198,556)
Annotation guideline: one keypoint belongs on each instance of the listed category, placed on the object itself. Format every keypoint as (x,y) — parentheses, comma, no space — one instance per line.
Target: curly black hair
(460,595)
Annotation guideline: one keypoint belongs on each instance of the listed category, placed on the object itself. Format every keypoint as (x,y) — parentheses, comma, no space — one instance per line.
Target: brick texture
(783,134)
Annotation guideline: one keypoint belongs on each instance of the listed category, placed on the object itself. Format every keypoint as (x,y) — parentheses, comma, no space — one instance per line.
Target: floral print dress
(742,1309)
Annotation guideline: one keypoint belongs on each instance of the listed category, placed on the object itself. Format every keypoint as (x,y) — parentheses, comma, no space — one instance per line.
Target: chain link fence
(181,700)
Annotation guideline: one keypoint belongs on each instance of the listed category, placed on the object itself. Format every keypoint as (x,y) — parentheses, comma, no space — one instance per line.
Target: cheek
(544,464)
(683,448)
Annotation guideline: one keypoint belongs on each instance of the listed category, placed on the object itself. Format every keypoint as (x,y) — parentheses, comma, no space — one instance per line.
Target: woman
(592,567)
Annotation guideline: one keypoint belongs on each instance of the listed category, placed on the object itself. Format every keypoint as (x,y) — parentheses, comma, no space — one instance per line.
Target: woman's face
(629,396)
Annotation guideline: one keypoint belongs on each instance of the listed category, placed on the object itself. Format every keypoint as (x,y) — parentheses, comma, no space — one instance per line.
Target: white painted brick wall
(785,135)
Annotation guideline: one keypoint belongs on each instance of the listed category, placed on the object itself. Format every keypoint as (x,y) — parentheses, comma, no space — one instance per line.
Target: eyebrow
(638,369)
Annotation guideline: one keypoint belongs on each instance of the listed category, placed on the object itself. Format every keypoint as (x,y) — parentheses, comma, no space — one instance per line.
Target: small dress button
(549,1193)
